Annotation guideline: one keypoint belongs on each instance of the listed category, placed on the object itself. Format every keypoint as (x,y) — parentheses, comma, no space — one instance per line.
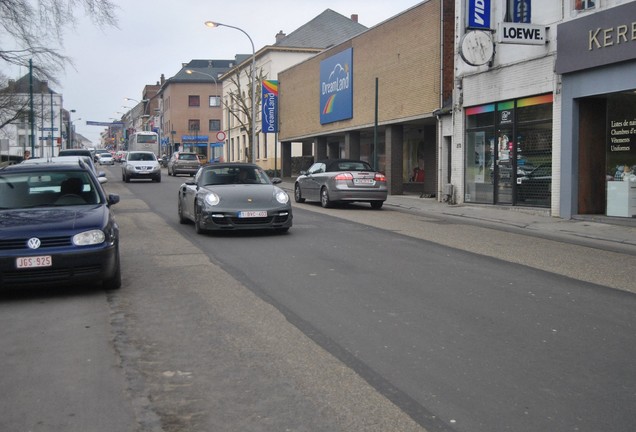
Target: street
(356,320)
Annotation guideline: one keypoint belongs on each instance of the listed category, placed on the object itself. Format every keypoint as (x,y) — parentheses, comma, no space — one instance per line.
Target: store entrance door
(504,172)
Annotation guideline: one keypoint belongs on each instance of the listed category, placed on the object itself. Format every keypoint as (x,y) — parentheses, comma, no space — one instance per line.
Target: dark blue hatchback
(56,227)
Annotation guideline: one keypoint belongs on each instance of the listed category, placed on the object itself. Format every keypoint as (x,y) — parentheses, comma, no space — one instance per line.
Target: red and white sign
(220,136)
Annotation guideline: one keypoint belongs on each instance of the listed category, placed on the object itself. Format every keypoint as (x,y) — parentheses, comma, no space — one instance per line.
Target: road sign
(50,129)
(220,136)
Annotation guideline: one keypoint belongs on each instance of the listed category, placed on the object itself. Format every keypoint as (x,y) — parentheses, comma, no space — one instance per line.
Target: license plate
(363,181)
(252,214)
(34,261)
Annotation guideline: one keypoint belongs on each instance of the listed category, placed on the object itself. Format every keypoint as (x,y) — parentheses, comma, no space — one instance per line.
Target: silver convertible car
(234,196)
(341,180)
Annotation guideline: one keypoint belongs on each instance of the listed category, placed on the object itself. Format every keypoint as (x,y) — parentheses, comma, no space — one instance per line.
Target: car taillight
(343,177)
(379,177)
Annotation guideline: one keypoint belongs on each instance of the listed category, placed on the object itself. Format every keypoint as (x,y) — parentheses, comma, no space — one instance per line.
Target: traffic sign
(220,136)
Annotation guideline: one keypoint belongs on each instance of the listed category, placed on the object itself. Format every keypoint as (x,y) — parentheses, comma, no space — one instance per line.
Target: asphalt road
(457,340)
(356,320)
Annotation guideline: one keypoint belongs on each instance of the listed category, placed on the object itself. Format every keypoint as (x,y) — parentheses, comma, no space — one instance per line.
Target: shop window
(193,101)
(509,152)
(518,11)
(584,4)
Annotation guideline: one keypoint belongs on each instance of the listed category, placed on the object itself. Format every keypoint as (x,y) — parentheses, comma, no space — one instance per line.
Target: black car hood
(242,194)
(53,219)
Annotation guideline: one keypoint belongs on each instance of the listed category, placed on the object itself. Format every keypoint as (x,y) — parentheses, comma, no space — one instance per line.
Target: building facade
(393,82)
(324,30)
(43,136)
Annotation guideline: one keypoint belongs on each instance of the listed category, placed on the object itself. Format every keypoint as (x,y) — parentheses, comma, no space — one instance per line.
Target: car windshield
(141,156)
(233,175)
(46,188)
(188,156)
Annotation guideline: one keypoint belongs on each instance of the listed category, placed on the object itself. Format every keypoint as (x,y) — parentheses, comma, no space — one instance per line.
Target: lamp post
(213,24)
(69,143)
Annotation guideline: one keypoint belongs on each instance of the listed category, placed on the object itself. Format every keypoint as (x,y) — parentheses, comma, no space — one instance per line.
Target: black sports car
(234,196)
(56,227)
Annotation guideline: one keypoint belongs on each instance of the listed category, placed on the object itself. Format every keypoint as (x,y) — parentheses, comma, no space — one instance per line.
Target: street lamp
(213,24)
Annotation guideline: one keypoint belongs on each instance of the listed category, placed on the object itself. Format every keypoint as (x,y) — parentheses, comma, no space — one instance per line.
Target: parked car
(88,161)
(76,152)
(341,180)
(140,164)
(183,163)
(234,196)
(105,159)
(57,227)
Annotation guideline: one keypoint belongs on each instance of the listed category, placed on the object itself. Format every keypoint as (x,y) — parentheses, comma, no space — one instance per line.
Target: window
(193,101)
(584,4)
(194,125)
(214,125)
(518,11)
(215,101)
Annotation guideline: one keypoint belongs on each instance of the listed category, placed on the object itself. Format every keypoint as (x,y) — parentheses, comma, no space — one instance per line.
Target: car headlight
(281,196)
(88,238)
(212,199)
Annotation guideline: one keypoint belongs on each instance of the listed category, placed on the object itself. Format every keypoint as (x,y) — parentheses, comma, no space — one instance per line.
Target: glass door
(504,167)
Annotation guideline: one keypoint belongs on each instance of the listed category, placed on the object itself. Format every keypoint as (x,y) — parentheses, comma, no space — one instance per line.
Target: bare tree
(36,28)
(240,101)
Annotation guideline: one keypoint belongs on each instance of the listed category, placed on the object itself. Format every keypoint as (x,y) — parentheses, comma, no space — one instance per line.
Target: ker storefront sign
(600,39)
(336,87)
(270,106)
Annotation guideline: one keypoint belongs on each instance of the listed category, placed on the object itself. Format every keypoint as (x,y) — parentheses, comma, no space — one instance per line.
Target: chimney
(280,36)
(354,18)
(162,79)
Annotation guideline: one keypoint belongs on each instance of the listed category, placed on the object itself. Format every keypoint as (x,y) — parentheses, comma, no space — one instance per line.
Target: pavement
(598,231)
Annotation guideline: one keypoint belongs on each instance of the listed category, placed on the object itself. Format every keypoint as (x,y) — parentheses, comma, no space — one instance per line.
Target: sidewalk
(596,230)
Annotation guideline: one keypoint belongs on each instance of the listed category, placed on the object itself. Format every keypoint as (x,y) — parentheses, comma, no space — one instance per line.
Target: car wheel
(298,195)
(114,282)
(324,198)
(127,179)
(182,219)
(158,179)
(198,228)
(376,204)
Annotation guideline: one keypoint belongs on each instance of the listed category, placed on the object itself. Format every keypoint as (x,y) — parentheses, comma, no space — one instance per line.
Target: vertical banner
(479,14)
(336,87)
(270,106)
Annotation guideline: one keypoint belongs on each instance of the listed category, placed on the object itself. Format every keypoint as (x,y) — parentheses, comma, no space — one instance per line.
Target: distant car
(57,227)
(183,163)
(140,165)
(105,159)
(101,176)
(341,180)
(119,155)
(98,152)
(234,196)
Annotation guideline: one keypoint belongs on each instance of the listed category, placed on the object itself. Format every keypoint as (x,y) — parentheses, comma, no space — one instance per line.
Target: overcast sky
(156,36)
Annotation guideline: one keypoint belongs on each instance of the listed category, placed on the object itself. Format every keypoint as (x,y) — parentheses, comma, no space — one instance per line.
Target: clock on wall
(476,47)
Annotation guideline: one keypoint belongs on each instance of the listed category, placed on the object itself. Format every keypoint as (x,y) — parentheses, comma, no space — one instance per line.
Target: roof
(203,71)
(21,86)
(325,30)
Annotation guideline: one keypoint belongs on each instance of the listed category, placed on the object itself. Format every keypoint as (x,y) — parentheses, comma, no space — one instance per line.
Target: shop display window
(509,152)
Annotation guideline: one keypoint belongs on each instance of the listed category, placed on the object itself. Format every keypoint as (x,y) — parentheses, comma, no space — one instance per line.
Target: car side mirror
(276,180)
(113,199)
(303,172)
